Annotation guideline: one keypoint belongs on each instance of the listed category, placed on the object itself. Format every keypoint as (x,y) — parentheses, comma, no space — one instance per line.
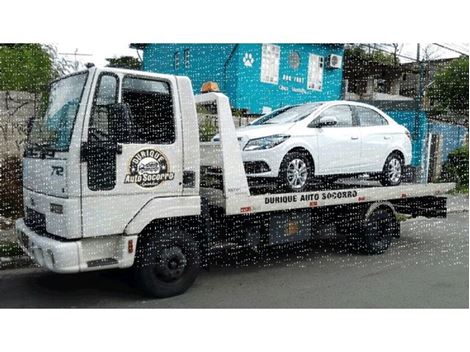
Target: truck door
(133,150)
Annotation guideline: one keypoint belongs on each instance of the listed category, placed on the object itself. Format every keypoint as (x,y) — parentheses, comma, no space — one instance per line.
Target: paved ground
(426,267)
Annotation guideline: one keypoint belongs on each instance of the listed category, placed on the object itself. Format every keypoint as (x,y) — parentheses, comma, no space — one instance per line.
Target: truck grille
(35,220)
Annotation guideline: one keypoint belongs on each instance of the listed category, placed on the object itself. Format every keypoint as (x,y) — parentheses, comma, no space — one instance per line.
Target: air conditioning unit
(335,61)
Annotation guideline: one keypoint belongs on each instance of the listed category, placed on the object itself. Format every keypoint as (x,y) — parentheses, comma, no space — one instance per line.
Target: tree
(129,62)
(24,67)
(449,90)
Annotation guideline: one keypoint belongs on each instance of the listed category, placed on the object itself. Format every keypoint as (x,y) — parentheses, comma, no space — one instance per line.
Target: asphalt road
(427,267)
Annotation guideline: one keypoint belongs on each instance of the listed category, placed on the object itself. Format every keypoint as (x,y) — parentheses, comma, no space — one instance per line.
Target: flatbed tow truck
(130,185)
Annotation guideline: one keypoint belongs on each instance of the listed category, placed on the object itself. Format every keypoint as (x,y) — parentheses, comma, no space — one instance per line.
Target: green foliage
(129,62)
(357,53)
(450,87)
(11,187)
(455,169)
(207,129)
(25,67)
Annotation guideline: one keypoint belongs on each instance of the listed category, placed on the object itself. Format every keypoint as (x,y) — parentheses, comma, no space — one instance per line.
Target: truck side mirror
(119,123)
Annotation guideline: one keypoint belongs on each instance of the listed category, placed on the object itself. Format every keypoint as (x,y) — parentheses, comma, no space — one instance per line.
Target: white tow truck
(115,176)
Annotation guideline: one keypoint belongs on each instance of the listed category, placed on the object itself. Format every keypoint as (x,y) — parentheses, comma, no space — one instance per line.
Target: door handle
(118,148)
(354,137)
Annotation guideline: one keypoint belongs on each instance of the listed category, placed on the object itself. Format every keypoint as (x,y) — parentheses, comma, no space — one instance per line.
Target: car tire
(296,172)
(392,172)
(377,232)
(166,266)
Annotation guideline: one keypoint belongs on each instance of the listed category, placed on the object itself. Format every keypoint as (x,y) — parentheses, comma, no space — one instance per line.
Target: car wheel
(392,171)
(166,266)
(296,172)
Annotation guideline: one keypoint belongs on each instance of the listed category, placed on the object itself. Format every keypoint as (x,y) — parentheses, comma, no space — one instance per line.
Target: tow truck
(115,176)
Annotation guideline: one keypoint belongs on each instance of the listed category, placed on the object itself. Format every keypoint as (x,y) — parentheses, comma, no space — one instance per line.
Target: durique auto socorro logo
(148,168)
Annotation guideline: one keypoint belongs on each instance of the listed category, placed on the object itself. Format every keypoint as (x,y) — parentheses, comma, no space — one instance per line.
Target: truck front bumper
(72,256)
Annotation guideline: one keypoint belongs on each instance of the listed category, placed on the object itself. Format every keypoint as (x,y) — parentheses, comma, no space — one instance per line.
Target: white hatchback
(330,139)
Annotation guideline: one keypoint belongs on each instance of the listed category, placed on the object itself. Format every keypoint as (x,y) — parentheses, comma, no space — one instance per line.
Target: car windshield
(53,129)
(291,114)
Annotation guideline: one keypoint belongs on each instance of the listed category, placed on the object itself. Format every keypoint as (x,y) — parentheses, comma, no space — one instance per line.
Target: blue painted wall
(453,136)
(418,131)
(223,63)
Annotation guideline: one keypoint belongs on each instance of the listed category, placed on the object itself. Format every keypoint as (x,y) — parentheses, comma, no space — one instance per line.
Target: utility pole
(419,109)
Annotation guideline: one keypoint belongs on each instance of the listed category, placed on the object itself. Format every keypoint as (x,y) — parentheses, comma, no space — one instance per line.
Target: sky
(97,52)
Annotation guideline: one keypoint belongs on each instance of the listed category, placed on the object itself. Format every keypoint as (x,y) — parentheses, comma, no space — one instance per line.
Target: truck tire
(392,171)
(296,172)
(377,232)
(166,266)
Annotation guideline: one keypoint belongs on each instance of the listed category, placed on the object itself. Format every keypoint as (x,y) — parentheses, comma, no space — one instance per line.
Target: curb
(16,262)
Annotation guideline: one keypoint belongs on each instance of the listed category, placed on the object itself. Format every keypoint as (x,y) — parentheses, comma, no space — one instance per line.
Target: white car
(334,139)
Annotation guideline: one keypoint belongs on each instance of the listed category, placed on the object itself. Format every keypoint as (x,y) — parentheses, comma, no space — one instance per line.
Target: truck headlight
(265,142)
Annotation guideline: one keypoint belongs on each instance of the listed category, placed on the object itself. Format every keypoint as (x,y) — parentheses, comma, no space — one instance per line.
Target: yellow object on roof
(210,87)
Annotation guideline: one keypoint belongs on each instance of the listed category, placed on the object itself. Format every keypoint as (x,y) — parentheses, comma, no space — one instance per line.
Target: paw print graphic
(248,60)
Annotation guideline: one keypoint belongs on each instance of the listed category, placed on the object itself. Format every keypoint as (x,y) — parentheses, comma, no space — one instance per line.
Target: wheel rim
(394,170)
(171,264)
(297,173)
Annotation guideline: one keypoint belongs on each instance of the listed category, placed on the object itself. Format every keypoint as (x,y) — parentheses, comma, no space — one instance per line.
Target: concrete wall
(15,110)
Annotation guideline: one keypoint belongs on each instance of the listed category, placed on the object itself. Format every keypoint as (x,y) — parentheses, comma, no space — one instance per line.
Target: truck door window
(151,109)
(106,95)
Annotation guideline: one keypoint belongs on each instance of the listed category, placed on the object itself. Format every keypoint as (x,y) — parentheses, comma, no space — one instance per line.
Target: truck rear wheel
(166,266)
(377,232)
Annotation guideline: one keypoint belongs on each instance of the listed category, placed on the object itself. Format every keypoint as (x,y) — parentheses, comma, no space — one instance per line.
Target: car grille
(35,220)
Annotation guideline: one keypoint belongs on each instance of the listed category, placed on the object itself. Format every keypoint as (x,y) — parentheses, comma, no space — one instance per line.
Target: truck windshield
(52,131)
(292,114)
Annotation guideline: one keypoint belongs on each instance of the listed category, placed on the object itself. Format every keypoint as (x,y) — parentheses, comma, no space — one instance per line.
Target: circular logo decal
(294,60)
(148,168)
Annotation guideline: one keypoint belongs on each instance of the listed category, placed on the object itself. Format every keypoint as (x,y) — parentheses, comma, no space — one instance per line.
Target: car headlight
(265,142)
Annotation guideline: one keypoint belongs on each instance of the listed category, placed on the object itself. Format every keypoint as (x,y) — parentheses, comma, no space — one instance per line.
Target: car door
(339,145)
(374,130)
(121,175)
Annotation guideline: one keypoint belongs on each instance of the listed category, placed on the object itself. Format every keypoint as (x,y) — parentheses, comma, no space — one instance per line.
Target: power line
(388,52)
(454,50)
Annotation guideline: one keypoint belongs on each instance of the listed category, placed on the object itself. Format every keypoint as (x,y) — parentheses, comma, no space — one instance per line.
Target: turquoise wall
(224,64)
(418,131)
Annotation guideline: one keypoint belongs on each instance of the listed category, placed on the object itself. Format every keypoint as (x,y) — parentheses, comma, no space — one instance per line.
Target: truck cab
(111,148)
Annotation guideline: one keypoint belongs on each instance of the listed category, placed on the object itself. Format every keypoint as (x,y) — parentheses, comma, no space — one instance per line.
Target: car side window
(342,113)
(368,117)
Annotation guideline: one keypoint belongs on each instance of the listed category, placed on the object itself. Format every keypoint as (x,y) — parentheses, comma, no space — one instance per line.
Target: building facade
(257,78)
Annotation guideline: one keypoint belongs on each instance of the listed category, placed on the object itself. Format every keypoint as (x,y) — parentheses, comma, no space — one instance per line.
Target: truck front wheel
(166,266)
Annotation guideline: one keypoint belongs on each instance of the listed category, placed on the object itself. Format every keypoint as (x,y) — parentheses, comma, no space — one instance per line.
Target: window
(315,72)
(270,63)
(294,60)
(186,58)
(105,95)
(176,60)
(342,113)
(54,128)
(151,108)
(368,117)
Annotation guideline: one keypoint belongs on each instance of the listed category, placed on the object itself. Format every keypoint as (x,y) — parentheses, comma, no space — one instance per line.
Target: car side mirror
(326,121)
